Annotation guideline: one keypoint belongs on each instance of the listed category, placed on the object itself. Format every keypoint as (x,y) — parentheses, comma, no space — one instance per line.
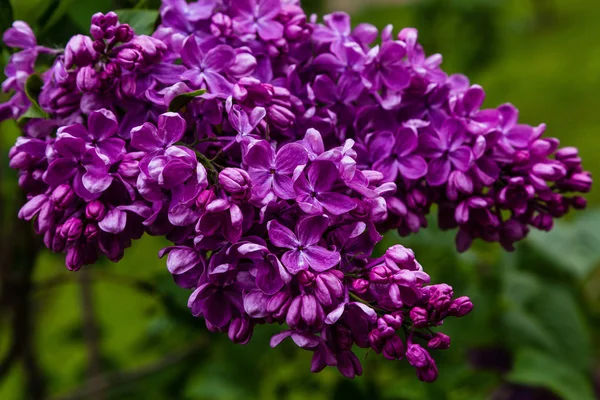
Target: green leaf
(63,8)
(547,317)
(142,21)
(33,87)
(572,246)
(30,10)
(536,368)
(183,99)
(81,12)
(6,16)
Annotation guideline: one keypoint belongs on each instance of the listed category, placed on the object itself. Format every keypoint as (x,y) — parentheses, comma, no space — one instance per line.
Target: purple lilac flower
(276,185)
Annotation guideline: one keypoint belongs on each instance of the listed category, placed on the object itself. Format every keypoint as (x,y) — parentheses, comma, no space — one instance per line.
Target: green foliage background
(535,328)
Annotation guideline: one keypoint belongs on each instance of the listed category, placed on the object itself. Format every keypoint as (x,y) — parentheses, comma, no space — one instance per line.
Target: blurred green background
(123,331)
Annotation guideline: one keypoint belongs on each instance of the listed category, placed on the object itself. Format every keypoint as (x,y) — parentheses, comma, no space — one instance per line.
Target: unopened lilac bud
(240,330)
(360,286)
(429,373)
(579,203)
(279,304)
(461,306)
(393,348)
(328,288)
(376,340)
(543,222)
(380,274)
(75,258)
(549,172)
(394,320)
(236,181)
(578,182)
(348,364)
(129,167)
(306,278)
(124,33)
(99,45)
(417,356)
(58,241)
(204,198)
(79,51)
(129,58)
(521,157)
(63,196)
(72,229)
(221,25)
(439,341)
(400,255)
(95,210)
(440,297)
(96,32)
(87,79)
(91,231)
(419,317)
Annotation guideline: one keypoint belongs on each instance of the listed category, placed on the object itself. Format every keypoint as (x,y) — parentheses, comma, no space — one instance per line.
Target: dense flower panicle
(276,184)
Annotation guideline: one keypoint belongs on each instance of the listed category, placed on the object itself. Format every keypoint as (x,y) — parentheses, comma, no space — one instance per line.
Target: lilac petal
(146,138)
(382,144)
(388,167)
(270,30)
(281,236)
(217,310)
(220,58)
(339,22)
(336,203)
(431,145)
(473,99)
(280,337)
(509,115)
(260,156)
(321,259)
(438,171)
(406,141)
(59,171)
(451,133)
(311,229)
(289,157)
(111,149)
(70,147)
(255,304)
(190,53)
(217,84)
(32,207)
(261,181)
(102,124)
(294,261)
(461,158)
(96,181)
(114,222)
(520,136)
(268,279)
(283,187)
(301,185)
(335,315)
(75,130)
(19,36)
(171,126)
(305,340)
(174,173)
(81,190)
(325,89)
(322,175)
(412,167)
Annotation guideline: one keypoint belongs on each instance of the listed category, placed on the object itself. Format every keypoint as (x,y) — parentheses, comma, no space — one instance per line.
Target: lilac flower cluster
(273,151)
